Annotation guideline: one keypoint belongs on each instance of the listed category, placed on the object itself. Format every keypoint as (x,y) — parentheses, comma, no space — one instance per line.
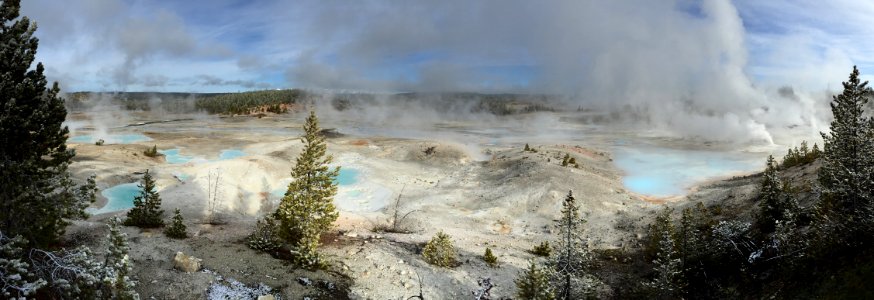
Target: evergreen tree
(571,260)
(117,248)
(118,265)
(688,239)
(848,162)
(17,279)
(307,210)
(770,197)
(533,284)
(147,206)
(815,152)
(439,251)
(177,228)
(34,157)
(668,283)
(661,224)
(490,258)
(265,236)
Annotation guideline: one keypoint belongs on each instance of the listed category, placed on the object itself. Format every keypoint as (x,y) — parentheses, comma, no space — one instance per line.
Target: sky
(538,46)
(732,69)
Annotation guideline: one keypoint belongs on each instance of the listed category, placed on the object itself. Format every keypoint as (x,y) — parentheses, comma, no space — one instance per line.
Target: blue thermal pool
(110,138)
(664,172)
(231,154)
(119,197)
(347,176)
(182,176)
(173,157)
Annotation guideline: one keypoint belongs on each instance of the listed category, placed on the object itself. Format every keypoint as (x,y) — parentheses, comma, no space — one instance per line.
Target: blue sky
(607,49)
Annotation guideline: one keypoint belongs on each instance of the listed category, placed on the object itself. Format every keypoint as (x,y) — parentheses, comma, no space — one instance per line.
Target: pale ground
(507,201)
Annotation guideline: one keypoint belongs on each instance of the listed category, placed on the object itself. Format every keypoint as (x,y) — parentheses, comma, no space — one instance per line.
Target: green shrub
(151,152)
(542,250)
(99,142)
(533,283)
(490,258)
(264,237)
(177,229)
(440,251)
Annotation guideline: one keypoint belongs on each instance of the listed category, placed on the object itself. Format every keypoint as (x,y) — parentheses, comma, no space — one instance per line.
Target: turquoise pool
(111,138)
(664,172)
(119,197)
(347,176)
(174,157)
(231,154)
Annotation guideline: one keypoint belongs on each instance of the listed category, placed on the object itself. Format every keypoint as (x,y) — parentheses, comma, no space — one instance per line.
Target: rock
(266,297)
(186,263)
(304,281)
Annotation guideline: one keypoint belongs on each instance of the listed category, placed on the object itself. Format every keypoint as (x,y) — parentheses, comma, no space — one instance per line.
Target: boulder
(186,263)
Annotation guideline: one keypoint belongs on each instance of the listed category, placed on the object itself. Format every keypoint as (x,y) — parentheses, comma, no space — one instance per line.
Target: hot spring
(110,138)
(119,197)
(664,172)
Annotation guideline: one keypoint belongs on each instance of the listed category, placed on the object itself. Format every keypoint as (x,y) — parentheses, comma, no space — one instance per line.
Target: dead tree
(213,192)
(485,289)
(398,219)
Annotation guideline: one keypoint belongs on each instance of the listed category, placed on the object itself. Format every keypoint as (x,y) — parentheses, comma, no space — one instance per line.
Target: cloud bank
(713,69)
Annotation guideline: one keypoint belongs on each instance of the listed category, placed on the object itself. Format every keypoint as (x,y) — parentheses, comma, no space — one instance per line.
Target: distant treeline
(144,101)
(279,101)
(498,104)
(274,101)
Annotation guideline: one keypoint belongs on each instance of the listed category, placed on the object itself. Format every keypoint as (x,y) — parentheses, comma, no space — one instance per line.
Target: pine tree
(661,224)
(490,258)
(147,210)
(118,265)
(770,197)
(265,236)
(34,157)
(177,229)
(848,162)
(803,151)
(533,284)
(439,251)
(17,279)
(151,152)
(307,210)
(688,239)
(668,283)
(572,258)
